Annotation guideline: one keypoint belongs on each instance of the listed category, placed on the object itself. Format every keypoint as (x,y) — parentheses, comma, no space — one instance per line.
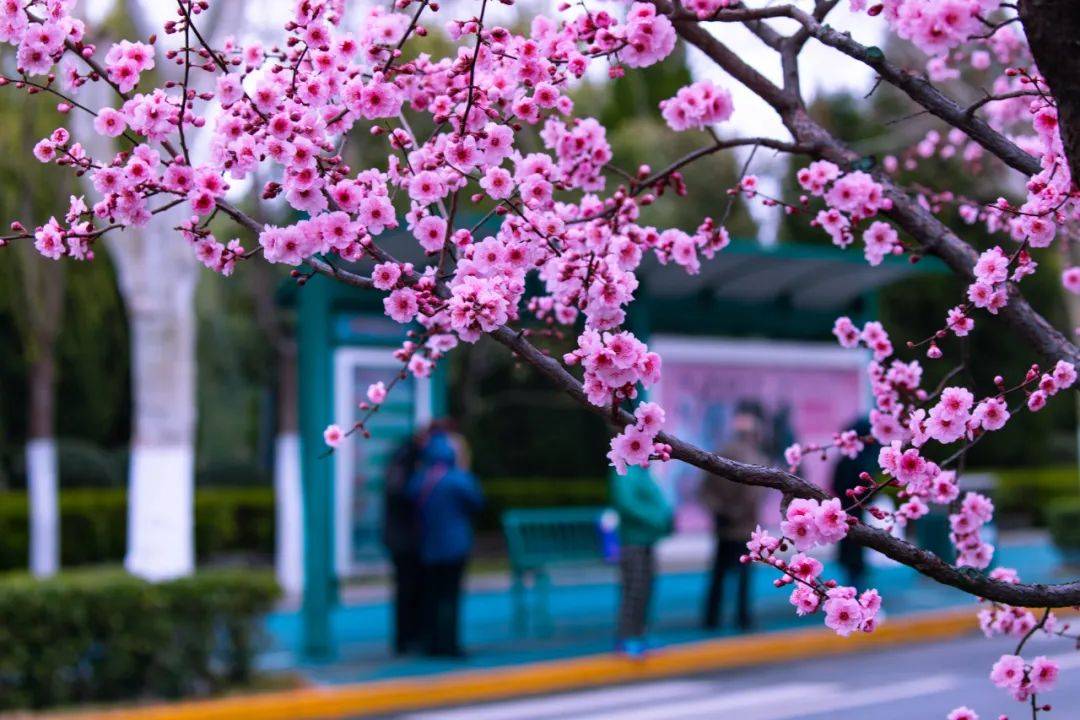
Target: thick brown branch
(936,238)
(1053,32)
(921,560)
(739,69)
(915,86)
(349,278)
(925,562)
(919,222)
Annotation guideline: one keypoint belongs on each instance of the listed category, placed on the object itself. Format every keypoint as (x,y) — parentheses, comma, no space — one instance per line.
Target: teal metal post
(316,403)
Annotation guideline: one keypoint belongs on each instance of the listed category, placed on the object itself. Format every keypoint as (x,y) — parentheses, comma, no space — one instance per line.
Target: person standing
(734,508)
(446,499)
(645,517)
(850,554)
(401,537)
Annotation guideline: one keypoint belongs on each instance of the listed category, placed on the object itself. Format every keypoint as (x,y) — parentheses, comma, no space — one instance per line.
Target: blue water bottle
(608,525)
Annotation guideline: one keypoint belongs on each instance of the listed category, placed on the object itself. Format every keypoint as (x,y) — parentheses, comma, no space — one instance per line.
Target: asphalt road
(921,682)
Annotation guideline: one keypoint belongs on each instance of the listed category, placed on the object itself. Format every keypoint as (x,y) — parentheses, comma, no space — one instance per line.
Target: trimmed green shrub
(82,464)
(1032,491)
(1063,519)
(101,635)
(93,524)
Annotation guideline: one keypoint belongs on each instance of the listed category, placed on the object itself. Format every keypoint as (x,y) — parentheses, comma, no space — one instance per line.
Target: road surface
(920,682)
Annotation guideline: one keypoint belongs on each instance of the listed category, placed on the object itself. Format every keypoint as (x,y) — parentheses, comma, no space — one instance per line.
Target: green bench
(540,539)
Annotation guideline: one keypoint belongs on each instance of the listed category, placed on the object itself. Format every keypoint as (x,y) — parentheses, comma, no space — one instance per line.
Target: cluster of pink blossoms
(808,523)
(845,609)
(697,106)
(906,418)
(873,335)
(851,198)
(126,61)
(648,37)
(614,363)
(40,44)
(1023,679)
(636,444)
(708,8)
(934,26)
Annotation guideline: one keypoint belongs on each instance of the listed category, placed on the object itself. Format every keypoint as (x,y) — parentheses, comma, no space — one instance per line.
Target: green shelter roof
(811,277)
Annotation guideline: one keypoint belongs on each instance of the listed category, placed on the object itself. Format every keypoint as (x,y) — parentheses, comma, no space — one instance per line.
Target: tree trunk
(158,273)
(158,278)
(1071,256)
(1053,31)
(289,549)
(41,463)
(42,301)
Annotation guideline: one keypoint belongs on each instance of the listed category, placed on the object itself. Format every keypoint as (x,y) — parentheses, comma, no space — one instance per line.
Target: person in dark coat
(850,554)
(446,499)
(734,508)
(401,537)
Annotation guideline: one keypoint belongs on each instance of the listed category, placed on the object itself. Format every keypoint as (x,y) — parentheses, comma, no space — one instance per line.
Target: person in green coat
(645,517)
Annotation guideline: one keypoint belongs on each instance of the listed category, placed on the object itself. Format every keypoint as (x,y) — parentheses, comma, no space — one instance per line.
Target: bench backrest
(552,536)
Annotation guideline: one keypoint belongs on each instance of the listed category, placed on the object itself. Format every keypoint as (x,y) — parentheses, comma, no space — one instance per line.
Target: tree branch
(933,235)
(916,87)
(1052,28)
(925,562)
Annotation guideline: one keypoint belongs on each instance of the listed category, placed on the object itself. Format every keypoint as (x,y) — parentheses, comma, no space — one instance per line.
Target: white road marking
(561,706)
(783,696)
(846,699)
(1065,660)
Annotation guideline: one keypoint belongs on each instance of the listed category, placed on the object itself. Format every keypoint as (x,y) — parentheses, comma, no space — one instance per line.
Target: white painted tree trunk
(43,298)
(289,528)
(42,479)
(288,493)
(158,274)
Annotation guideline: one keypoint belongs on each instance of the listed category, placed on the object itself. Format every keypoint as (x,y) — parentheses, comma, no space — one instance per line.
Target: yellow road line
(469,686)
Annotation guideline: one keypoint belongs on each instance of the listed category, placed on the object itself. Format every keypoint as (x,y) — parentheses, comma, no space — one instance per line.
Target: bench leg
(521,608)
(544,624)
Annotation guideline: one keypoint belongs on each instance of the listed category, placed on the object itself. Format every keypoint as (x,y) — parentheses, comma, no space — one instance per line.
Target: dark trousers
(442,605)
(725,558)
(407,599)
(638,569)
(853,560)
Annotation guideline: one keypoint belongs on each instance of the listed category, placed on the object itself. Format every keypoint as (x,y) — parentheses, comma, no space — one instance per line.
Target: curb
(471,686)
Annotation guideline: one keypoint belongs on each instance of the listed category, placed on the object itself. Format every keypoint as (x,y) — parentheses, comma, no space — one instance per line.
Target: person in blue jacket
(446,498)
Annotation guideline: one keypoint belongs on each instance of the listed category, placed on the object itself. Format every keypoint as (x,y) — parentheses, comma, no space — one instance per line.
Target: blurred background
(269,365)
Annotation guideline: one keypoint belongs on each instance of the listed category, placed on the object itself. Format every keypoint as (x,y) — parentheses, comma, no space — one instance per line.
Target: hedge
(92,636)
(93,524)
(1063,519)
(93,521)
(1032,491)
(83,464)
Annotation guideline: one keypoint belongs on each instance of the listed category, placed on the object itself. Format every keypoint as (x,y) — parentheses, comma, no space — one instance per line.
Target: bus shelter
(755,324)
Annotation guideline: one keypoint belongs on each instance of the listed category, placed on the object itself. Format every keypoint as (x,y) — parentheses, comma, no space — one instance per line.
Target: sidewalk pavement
(583,607)
(363,682)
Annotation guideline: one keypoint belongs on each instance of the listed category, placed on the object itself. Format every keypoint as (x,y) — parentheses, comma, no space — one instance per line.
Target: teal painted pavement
(583,611)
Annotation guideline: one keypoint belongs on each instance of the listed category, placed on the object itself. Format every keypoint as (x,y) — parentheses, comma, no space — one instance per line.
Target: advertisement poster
(360,462)
(806,391)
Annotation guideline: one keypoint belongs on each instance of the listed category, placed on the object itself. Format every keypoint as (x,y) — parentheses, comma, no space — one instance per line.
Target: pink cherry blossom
(333,436)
